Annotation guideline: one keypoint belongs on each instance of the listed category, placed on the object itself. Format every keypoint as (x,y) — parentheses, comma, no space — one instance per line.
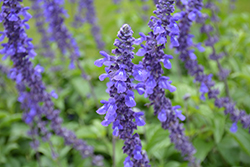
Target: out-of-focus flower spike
(37,104)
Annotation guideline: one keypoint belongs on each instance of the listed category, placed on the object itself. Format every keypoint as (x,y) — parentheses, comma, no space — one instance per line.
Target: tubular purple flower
(118,108)
(36,102)
(163,25)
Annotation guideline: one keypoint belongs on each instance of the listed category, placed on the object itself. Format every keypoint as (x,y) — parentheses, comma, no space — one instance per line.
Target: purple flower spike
(156,83)
(39,110)
(54,14)
(120,89)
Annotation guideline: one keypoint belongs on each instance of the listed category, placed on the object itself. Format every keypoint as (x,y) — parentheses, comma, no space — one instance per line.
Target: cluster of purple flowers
(46,50)
(118,108)
(191,14)
(54,14)
(35,101)
(125,77)
(149,74)
(162,26)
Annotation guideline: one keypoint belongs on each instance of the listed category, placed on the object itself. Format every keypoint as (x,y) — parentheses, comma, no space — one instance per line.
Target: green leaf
(219,125)
(10,119)
(96,130)
(229,149)
(243,138)
(241,76)
(3,114)
(9,147)
(205,111)
(157,138)
(203,148)
(81,86)
(12,162)
(172,164)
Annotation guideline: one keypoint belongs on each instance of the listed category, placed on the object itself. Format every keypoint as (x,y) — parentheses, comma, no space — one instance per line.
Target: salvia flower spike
(197,70)
(118,108)
(155,83)
(37,6)
(54,14)
(37,103)
(86,13)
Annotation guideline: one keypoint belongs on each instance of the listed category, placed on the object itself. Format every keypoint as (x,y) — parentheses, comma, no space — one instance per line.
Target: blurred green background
(207,126)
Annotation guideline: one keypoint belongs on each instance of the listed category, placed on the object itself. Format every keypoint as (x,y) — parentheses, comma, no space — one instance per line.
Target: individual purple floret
(154,86)
(191,14)
(118,108)
(46,50)
(35,101)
